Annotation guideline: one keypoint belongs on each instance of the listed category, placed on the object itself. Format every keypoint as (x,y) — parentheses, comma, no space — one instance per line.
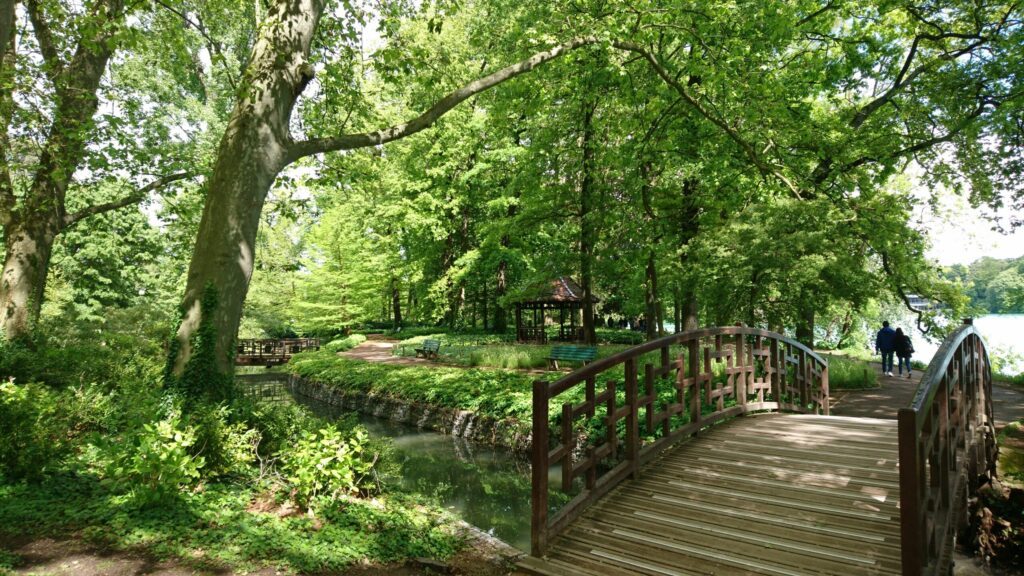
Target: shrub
(619,336)
(345,344)
(227,447)
(155,462)
(32,436)
(325,465)
(278,425)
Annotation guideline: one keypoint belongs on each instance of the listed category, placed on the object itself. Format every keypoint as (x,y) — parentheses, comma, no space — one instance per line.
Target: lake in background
(1002,334)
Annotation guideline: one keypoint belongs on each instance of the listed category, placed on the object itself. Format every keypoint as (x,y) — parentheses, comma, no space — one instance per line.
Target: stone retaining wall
(462,423)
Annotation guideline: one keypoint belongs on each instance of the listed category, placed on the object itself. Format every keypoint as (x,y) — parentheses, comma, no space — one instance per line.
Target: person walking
(885,343)
(904,350)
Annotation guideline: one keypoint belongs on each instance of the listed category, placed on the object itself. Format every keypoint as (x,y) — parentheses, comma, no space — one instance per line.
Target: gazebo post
(519,322)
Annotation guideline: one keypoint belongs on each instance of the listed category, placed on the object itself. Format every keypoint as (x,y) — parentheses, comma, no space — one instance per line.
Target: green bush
(325,465)
(109,358)
(227,446)
(33,436)
(619,336)
(155,462)
(345,344)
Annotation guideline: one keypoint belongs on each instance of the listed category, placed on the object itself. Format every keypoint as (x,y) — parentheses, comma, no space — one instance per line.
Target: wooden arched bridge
(713,452)
(271,351)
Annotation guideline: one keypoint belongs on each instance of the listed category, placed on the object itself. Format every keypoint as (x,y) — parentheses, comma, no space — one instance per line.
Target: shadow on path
(895,392)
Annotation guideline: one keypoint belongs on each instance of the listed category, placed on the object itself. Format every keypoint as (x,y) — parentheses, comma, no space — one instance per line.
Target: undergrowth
(130,465)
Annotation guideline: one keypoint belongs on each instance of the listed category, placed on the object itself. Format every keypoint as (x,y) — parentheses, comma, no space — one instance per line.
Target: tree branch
(133,198)
(212,45)
(903,294)
(54,66)
(731,132)
(440,108)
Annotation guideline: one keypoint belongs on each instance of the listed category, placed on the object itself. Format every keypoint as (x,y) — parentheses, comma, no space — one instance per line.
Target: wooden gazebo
(562,295)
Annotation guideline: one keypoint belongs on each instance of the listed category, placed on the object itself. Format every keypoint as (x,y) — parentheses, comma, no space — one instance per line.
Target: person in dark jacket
(885,343)
(904,350)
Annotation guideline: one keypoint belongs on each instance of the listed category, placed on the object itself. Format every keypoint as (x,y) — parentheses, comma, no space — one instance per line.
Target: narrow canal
(487,487)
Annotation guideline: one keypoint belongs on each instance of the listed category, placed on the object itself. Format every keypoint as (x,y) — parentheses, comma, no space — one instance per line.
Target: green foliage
(996,286)
(850,374)
(494,350)
(224,442)
(220,526)
(327,464)
(74,358)
(495,393)
(155,462)
(345,344)
(33,434)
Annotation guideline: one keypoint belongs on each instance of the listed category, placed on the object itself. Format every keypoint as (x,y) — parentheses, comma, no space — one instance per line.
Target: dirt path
(379,350)
(895,393)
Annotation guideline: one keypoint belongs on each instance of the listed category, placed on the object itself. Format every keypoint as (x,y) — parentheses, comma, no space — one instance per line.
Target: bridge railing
(268,350)
(651,396)
(946,440)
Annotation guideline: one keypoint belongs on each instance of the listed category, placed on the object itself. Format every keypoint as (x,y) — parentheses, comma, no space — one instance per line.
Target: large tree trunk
(689,226)
(31,226)
(587,229)
(396,303)
(805,324)
(691,320)
(252,151)
(27,249)
(651,298)
(500,314)
(256,146)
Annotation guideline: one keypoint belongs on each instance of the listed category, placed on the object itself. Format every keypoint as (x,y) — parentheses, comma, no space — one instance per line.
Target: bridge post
(911,473)
(539,470)
(694,371)
(740,381)
(633,418)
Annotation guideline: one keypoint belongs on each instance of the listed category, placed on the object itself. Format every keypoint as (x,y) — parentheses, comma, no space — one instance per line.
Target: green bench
(582,354)
(429,349)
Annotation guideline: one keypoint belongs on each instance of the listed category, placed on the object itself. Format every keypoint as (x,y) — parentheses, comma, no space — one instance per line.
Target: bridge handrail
(278,347)
(757,376)
(946,439)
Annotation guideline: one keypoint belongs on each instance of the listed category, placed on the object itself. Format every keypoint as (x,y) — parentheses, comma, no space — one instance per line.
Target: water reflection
(487,487)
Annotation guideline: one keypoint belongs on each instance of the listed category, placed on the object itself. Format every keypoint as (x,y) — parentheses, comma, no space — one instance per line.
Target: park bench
(582,354)
(429,349)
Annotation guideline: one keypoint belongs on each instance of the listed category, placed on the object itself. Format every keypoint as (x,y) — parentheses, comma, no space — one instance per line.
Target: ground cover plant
(345,344)
(490,350)
(128,465)
(845,373)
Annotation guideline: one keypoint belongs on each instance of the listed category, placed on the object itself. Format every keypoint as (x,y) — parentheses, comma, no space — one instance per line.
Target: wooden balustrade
(272,351)
(946,440)
(668,389)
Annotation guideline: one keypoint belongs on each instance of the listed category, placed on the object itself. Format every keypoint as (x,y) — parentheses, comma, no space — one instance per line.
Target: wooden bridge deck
(779,494)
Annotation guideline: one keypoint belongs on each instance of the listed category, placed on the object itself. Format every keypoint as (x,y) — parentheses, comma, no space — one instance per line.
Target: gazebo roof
(560,290)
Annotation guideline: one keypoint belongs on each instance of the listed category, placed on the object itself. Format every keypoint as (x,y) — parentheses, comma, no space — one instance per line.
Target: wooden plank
(780,488)
(781,554)
(809,473)
(768,495)
(757,526)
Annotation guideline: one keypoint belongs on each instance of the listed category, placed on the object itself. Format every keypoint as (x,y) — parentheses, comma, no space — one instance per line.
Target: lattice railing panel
(621,411)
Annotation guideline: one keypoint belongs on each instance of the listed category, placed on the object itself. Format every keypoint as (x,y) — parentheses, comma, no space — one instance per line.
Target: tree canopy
(331,164)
